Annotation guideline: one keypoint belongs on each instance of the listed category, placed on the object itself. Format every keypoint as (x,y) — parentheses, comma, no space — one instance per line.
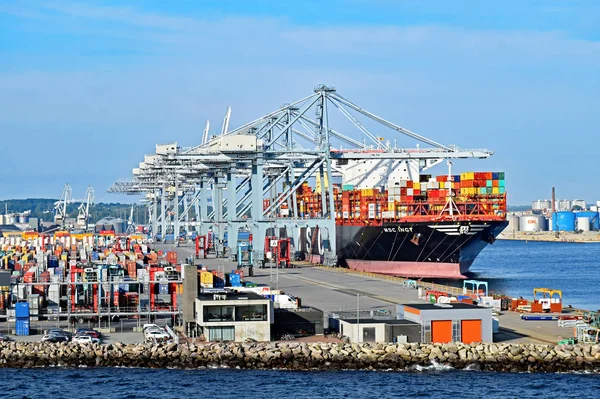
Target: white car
(86,339)
(156,334)
(147,327)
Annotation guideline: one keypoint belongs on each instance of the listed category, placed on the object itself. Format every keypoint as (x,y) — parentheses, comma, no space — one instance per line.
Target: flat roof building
(453,322)
(380,330)
(226,316)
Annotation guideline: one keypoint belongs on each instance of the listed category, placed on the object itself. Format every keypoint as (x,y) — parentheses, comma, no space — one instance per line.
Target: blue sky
(88,88)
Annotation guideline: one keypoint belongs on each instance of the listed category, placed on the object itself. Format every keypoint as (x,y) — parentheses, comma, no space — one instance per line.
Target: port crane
(84,208)
(130,224)
(60,206)
(252,172)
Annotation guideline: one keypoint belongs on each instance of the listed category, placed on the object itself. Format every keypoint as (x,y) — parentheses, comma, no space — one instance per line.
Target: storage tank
(563,221)
(23,219)
(549,224)
(14,219)
(532,223)
(563,205)
(513,223)
(592,216)
(583,223)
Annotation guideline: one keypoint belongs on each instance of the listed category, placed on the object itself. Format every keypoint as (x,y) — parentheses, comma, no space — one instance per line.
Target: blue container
(494,175)
(22,310)
(52,262)
(22,326)
(163,289)
(594,219)
(244,236)
(218,282)
(95,256)
(234,280)
(123,287)
(563,221)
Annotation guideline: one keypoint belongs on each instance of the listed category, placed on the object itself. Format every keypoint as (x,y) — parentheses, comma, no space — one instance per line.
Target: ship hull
(420,249)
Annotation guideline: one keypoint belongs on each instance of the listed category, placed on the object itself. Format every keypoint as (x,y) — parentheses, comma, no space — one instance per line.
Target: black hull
(415,249)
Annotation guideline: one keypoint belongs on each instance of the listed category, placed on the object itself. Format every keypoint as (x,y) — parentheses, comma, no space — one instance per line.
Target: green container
(500,175)
(501,183)
(482,190)
(488,190)
(489,183)
(347,187)
(501,190)
(431,298)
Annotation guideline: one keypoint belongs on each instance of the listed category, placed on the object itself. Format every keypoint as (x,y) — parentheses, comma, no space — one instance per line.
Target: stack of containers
(22,315)
(481,184)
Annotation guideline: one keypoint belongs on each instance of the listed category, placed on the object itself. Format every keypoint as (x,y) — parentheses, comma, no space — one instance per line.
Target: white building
(226,316)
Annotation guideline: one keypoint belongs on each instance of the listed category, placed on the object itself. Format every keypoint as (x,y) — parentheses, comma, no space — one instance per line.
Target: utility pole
(358,317)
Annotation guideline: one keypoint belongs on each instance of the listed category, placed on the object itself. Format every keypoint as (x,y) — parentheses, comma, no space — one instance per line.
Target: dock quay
(335,290)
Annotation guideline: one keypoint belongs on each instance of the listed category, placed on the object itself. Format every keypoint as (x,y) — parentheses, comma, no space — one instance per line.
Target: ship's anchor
(415,239)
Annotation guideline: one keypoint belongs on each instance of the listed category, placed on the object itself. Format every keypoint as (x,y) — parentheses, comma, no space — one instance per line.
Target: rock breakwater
(306,356)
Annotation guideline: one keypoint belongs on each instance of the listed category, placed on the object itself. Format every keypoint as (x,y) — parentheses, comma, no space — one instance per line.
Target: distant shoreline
(549,236)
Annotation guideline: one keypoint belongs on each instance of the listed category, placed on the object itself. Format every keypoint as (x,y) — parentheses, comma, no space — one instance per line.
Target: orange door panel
(470,331)
(441,331)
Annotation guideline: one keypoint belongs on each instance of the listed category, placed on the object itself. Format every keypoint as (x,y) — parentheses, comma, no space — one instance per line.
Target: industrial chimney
(553,200)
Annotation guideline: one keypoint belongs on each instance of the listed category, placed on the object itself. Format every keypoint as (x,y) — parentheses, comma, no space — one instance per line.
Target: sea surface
(256,384)
(517,267)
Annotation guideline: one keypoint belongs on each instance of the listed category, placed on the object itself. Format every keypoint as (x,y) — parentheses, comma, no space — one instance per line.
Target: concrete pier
(336,289)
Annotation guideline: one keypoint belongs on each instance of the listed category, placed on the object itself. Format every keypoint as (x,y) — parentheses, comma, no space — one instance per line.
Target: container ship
(426,227)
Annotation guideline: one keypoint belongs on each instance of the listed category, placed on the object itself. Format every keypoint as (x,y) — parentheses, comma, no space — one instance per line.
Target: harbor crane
(252,173)
(84,208)
(60,206)
(130,224)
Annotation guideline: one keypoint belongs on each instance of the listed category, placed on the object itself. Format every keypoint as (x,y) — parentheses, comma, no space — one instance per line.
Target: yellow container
(416,185)
(206,278)
(495,190)
(64,257)
(442,184)
(391,206)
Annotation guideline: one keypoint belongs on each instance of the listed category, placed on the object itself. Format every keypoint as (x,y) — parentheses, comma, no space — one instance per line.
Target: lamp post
(358,317)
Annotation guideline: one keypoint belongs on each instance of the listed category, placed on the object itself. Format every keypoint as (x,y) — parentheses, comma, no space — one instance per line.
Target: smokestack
(553,200)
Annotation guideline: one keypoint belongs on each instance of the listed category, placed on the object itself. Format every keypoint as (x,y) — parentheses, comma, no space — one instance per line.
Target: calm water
(250,384)
(517,267)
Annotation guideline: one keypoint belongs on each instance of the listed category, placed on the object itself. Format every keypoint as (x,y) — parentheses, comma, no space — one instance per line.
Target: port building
(452,322)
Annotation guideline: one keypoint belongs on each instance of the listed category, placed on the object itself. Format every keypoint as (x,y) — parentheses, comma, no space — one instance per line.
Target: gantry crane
(84,208)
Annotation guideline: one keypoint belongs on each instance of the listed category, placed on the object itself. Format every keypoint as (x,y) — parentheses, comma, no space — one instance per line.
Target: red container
(38,289)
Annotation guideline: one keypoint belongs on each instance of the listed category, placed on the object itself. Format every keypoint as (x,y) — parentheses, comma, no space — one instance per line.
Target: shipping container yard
(92,279)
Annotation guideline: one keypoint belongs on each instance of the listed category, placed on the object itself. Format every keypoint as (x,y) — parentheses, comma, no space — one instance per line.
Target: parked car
(156,334)
(86,339)
(146,327)
(58,331)
(55,338)
(4,338)
(89,331)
